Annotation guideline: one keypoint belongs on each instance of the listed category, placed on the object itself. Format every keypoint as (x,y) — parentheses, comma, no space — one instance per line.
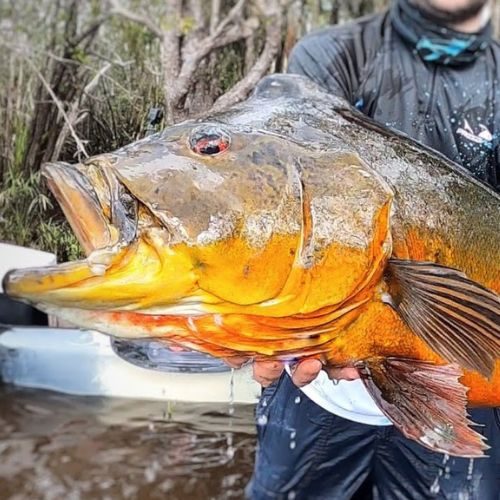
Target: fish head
(211,219)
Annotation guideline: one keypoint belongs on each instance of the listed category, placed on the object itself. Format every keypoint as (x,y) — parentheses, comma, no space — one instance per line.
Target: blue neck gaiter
(434,42)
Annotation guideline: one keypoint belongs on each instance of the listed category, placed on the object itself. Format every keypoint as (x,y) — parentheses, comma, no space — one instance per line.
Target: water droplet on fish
(192,324)
(262,420)
(97,269)
(297,400)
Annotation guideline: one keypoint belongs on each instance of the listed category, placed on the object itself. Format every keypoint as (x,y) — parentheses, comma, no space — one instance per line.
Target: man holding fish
(294,228)
(428,68)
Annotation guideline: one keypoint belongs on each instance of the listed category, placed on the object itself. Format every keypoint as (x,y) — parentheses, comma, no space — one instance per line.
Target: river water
(54,447)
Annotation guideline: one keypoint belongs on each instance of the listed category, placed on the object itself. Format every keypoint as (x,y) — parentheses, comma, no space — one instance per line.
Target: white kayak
(86,363)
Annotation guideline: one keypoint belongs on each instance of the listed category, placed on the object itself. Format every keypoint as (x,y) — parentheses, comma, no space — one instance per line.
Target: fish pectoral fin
(458,318)
(426,402)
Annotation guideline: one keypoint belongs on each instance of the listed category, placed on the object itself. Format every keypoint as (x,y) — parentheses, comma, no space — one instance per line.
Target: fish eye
(209,141)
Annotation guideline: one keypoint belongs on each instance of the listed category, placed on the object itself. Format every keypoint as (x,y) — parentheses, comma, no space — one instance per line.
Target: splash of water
(262,420)
(436,486)
(447,471)
(166,409)
(293,443)
(230,450)
(470,469)
(467,494)
(231,394)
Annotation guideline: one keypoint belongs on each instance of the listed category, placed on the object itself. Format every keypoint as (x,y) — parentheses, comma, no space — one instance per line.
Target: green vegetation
(29,219)
(112,114)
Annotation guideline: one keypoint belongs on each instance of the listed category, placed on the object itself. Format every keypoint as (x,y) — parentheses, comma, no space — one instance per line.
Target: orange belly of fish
(380,332)
(377,332)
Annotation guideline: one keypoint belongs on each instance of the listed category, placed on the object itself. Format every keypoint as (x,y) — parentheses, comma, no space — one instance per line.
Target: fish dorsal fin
(425,401)
(458,318)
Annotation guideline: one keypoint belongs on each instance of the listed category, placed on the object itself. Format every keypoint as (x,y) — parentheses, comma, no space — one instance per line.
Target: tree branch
(119,10)
(274,23)
(60,107)
(196,9)
(73,118)
(171,56)
(222,36)
(214,15)
(234,14)
(90,31)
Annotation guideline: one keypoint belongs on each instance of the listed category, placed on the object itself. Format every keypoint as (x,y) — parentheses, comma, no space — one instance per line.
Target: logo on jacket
(484,136)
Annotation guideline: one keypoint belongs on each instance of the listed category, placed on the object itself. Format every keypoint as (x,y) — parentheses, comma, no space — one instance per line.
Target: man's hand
(303,373)
(264,372)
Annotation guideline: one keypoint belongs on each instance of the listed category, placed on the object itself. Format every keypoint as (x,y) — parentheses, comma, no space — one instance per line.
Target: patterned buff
(433,41)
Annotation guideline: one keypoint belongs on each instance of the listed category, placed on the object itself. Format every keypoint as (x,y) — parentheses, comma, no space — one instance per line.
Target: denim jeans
(305,452)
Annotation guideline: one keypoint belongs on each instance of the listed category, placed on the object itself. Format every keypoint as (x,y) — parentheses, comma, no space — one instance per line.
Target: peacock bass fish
(288,226)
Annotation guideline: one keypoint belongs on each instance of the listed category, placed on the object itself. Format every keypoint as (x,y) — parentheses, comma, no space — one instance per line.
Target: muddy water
(62,447)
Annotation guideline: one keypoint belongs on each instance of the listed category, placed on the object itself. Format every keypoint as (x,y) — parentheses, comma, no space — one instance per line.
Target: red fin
(457,317)
(426,402)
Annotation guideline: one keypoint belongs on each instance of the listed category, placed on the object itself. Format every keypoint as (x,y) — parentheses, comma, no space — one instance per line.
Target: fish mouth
(100,210)
(79,201)
(103,217)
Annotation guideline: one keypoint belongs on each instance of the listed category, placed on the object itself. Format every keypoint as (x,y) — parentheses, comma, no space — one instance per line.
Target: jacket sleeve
(333,58)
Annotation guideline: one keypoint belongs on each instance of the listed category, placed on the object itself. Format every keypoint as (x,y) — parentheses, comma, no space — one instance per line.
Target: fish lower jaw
(86,319)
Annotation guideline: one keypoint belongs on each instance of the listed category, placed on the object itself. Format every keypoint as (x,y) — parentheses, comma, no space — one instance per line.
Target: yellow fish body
(293,226)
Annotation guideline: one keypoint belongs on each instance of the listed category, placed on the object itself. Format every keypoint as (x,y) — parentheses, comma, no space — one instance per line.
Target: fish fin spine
(458,318)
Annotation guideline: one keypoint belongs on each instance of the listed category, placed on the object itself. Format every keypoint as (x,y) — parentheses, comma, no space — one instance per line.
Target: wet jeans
(305,452)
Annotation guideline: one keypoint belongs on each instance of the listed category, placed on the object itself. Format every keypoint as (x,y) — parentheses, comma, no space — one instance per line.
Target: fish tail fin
(426,402)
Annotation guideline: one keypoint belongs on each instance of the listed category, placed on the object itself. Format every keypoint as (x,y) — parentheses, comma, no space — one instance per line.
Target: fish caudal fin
(426,402)
(458,318)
